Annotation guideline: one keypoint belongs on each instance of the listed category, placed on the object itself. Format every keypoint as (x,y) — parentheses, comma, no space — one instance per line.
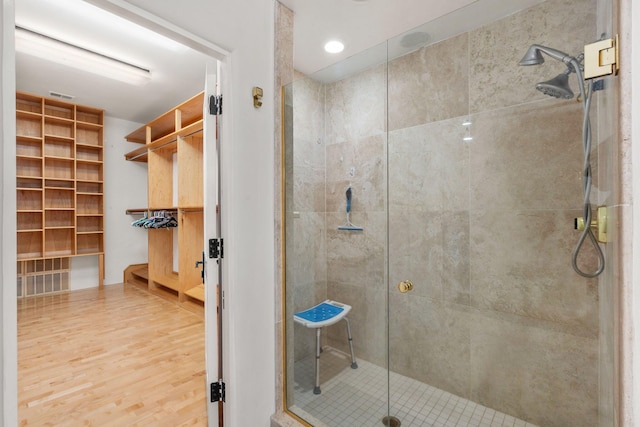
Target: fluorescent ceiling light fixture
(334,46)
(36,44)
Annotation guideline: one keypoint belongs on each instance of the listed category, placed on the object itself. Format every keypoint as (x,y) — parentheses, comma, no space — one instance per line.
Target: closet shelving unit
(173,149)
(59,166)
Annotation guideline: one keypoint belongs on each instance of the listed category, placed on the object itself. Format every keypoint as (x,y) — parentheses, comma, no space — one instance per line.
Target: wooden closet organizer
(174,140)
(59,168)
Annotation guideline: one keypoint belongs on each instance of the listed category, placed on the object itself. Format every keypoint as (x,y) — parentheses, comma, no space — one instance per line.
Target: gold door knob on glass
(405,286)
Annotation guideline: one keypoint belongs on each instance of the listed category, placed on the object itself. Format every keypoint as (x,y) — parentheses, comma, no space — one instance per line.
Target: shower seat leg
(316,389)
(354,364)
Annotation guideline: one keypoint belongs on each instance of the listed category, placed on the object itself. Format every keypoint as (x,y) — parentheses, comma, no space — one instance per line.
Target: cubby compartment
(29,244)
(190,179)
(88,171)
(28,167)
(88,115)
(29,183)
(58,147)
(89,243)
(58,168)
(28,125)
(88,204)
(160,181)
(58,199)
(59,109)
(29,221)
(61,128)
(89,224)
(28,103)
(57,183)
(29,199)
(59,219)
(59,242)
(90,153)
(28,147)
(88,134)
(89,187)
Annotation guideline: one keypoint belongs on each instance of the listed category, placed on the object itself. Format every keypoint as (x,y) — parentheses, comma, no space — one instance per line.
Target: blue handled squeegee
(349,226)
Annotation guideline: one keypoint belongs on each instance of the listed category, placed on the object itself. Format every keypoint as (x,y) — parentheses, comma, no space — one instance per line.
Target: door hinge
(215,105)
(216,248)
(217,391)
(601,58)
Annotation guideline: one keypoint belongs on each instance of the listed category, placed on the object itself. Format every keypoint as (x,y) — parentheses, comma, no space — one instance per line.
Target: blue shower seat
(325,314)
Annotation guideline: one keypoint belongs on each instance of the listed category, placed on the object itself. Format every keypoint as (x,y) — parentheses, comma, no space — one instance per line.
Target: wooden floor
(112,357)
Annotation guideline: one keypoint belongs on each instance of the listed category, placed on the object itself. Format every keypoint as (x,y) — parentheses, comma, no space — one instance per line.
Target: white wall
(8,334)
(125,187)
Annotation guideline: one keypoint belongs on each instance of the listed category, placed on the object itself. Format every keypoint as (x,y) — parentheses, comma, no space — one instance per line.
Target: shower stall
(464,182)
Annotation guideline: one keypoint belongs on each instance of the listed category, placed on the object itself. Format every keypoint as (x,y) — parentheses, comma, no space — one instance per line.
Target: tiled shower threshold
(358,398)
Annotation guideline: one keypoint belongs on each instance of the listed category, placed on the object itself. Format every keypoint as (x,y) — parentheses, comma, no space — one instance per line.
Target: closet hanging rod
(142,211)
(136,211)
(169,142)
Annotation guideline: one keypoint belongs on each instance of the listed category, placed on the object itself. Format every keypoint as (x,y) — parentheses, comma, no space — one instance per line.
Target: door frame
(134,14)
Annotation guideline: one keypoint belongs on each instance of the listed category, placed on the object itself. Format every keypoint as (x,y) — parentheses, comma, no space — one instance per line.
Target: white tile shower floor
(358,398)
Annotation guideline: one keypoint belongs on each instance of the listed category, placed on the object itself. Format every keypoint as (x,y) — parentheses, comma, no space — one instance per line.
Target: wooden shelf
(26,103)
(169,281)
(138,155)
(59,168)
(188,112)
(174,140)
(167,142)
(197,292)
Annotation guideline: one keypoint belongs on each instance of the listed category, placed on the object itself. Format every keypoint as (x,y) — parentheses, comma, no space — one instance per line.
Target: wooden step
(137,274)
(141,273)
(197,292)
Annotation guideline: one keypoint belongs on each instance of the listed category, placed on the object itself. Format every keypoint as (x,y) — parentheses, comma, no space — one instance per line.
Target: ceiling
(178,72)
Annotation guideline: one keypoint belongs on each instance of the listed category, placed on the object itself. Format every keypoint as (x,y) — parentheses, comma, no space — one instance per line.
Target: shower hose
(586,179)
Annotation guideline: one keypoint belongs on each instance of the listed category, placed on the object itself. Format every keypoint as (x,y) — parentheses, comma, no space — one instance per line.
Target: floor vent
(43,276)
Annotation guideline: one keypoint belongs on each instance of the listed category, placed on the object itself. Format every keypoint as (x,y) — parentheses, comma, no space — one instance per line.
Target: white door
(212,240)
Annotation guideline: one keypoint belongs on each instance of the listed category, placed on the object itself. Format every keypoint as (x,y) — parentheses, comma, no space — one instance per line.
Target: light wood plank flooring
(113,357)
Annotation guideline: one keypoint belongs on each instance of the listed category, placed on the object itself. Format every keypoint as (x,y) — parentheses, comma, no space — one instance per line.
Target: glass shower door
(335,243)
(488,322)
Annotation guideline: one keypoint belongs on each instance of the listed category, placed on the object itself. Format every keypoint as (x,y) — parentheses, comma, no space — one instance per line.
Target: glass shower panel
(488,322)
(335,242)
(430,191)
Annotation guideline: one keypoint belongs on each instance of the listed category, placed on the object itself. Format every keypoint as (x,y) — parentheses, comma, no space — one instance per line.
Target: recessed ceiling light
(334,46)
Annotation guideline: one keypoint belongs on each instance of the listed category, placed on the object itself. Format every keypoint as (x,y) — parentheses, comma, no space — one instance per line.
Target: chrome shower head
(534,55)
(558,87)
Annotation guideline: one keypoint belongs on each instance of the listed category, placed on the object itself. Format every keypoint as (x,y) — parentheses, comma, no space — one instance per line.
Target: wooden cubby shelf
(59,167)
(173,146)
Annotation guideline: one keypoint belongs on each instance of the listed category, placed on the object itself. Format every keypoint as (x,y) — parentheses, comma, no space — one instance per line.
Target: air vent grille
(43,276)
(61,95)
